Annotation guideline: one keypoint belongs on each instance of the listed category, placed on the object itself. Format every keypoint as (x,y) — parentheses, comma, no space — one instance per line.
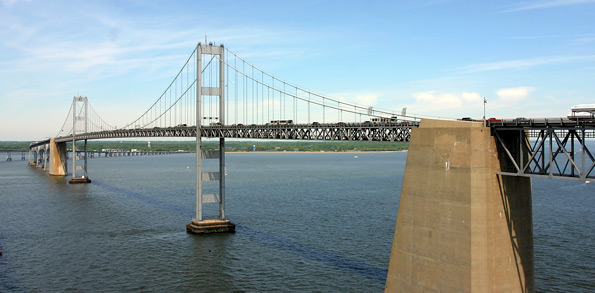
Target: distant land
(233,146)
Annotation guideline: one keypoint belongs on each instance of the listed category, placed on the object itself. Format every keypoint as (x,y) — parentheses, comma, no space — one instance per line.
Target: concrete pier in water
(58,158)
(210,226)
(461,227)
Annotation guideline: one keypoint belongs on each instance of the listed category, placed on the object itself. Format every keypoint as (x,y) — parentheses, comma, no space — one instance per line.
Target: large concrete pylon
(58,158)
(460,227)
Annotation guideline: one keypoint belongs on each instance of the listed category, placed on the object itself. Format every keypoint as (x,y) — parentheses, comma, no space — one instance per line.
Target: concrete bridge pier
(39,158)
(58,158)
(32,157)
(461,227)
(46,157)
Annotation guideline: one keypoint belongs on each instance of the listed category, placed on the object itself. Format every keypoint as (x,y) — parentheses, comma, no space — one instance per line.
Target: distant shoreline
(237,146)
(314,152)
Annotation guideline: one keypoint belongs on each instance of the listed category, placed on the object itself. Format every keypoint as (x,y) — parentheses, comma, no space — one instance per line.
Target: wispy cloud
(524,63)
(11,2)
(554,36)
(514,95)
(432,101)
(463,104)
(523,6)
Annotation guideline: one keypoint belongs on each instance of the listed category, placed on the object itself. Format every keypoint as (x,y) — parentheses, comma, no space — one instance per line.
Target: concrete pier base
(58,157)
(210,226)
(79,180)
(460,226)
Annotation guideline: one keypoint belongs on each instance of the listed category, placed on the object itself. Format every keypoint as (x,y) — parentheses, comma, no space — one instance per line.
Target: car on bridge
(521,119)
(492,119)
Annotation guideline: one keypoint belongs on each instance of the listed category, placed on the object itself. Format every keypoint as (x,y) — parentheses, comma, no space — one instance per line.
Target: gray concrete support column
(461,227)
(58,158)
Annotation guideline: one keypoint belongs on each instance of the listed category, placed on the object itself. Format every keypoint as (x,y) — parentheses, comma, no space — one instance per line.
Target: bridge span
(464,221)
(397,132)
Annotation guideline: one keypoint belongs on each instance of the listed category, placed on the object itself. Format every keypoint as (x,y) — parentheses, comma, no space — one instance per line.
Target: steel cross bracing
(553,148)
(351,131)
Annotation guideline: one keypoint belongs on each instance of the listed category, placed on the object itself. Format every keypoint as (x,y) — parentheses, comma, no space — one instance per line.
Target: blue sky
(435,57)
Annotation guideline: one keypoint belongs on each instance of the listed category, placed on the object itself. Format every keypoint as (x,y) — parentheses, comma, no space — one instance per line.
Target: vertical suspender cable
(244,93)
(308,107)
(252,83)
(236,87)
(323,111)
(284,104)
(262,93)
(226,94)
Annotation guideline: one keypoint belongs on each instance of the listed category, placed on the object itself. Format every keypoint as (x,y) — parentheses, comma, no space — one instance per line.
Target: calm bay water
(305,222)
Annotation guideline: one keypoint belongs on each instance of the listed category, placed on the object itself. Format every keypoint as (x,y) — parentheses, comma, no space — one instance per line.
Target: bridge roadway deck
(348,131)
(344,131)
(552,148)
(535,126)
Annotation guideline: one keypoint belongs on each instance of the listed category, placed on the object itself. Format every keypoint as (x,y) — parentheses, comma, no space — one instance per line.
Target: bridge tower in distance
(198,225)
(79,113)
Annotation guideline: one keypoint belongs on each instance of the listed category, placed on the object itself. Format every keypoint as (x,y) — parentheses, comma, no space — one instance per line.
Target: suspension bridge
(465,211)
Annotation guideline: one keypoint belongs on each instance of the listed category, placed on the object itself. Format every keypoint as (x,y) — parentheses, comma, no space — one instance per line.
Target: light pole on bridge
(485,101)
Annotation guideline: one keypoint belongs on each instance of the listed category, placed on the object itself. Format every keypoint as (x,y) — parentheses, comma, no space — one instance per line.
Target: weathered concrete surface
(460,226)
(79,180)
(58,158)
(210,226)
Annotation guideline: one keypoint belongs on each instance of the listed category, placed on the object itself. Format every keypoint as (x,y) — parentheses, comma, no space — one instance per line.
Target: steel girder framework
(352,132)
(555,151)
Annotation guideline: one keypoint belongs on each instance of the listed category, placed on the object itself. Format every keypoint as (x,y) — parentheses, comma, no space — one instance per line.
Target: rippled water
(305,222)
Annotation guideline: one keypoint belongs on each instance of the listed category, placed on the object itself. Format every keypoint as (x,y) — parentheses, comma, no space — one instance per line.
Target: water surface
(305,222)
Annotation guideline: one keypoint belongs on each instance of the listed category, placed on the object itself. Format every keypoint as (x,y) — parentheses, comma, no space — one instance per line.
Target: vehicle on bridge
(384,120)
(521,119)
(282,122)
(582,111)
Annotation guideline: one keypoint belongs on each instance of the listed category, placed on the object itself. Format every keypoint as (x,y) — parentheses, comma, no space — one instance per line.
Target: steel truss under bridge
(400,132)
(550,151)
